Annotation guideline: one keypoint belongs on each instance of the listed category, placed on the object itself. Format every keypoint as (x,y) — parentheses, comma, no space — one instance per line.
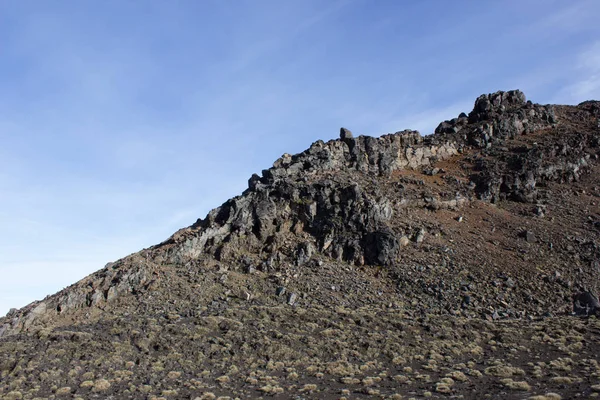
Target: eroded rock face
(516,171)
(338,219)
(517,177)
(401,150)
(343,220)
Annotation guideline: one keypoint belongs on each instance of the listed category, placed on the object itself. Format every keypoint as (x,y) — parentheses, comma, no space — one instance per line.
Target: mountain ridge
(491,218)
(497,116)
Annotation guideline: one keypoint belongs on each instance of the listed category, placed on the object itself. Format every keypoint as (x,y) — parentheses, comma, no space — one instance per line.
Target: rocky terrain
(463,264)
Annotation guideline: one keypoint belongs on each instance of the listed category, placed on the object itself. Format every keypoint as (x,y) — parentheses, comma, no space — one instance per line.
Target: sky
(122,121)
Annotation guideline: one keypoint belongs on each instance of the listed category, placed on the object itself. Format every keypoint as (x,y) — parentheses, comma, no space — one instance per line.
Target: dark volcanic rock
(585,303)
(381,247)
(345,134)
(487,106)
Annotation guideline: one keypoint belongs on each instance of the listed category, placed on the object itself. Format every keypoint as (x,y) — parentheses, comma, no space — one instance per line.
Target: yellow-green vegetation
(516,385)
(306,352)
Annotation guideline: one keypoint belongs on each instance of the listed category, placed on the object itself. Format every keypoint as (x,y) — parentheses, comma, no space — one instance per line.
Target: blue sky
(122,121)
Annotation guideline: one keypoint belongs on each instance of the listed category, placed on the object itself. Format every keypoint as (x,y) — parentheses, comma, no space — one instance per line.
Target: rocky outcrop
(300,194)
(513,171)
(585,304)
(519,176)
(345,134)
(379,156)
(496,117)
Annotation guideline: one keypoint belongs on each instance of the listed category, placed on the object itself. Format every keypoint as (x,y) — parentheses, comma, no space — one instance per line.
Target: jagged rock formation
(492,217)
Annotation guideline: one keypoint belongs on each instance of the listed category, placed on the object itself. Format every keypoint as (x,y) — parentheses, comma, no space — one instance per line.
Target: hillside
(393,267)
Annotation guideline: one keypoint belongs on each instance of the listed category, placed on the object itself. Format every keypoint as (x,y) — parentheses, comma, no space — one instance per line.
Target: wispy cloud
(586,74)
(563,16)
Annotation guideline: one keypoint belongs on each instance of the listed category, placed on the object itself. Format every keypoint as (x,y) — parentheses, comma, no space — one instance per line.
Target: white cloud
(566,17)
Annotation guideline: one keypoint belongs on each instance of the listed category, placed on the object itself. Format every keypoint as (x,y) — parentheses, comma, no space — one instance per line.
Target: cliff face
(493,217)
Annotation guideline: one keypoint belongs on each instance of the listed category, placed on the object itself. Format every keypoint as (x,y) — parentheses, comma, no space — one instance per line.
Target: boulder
(345,134)
(585,304)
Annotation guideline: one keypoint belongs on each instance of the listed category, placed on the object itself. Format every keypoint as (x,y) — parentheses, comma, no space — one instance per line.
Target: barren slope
(362,267)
